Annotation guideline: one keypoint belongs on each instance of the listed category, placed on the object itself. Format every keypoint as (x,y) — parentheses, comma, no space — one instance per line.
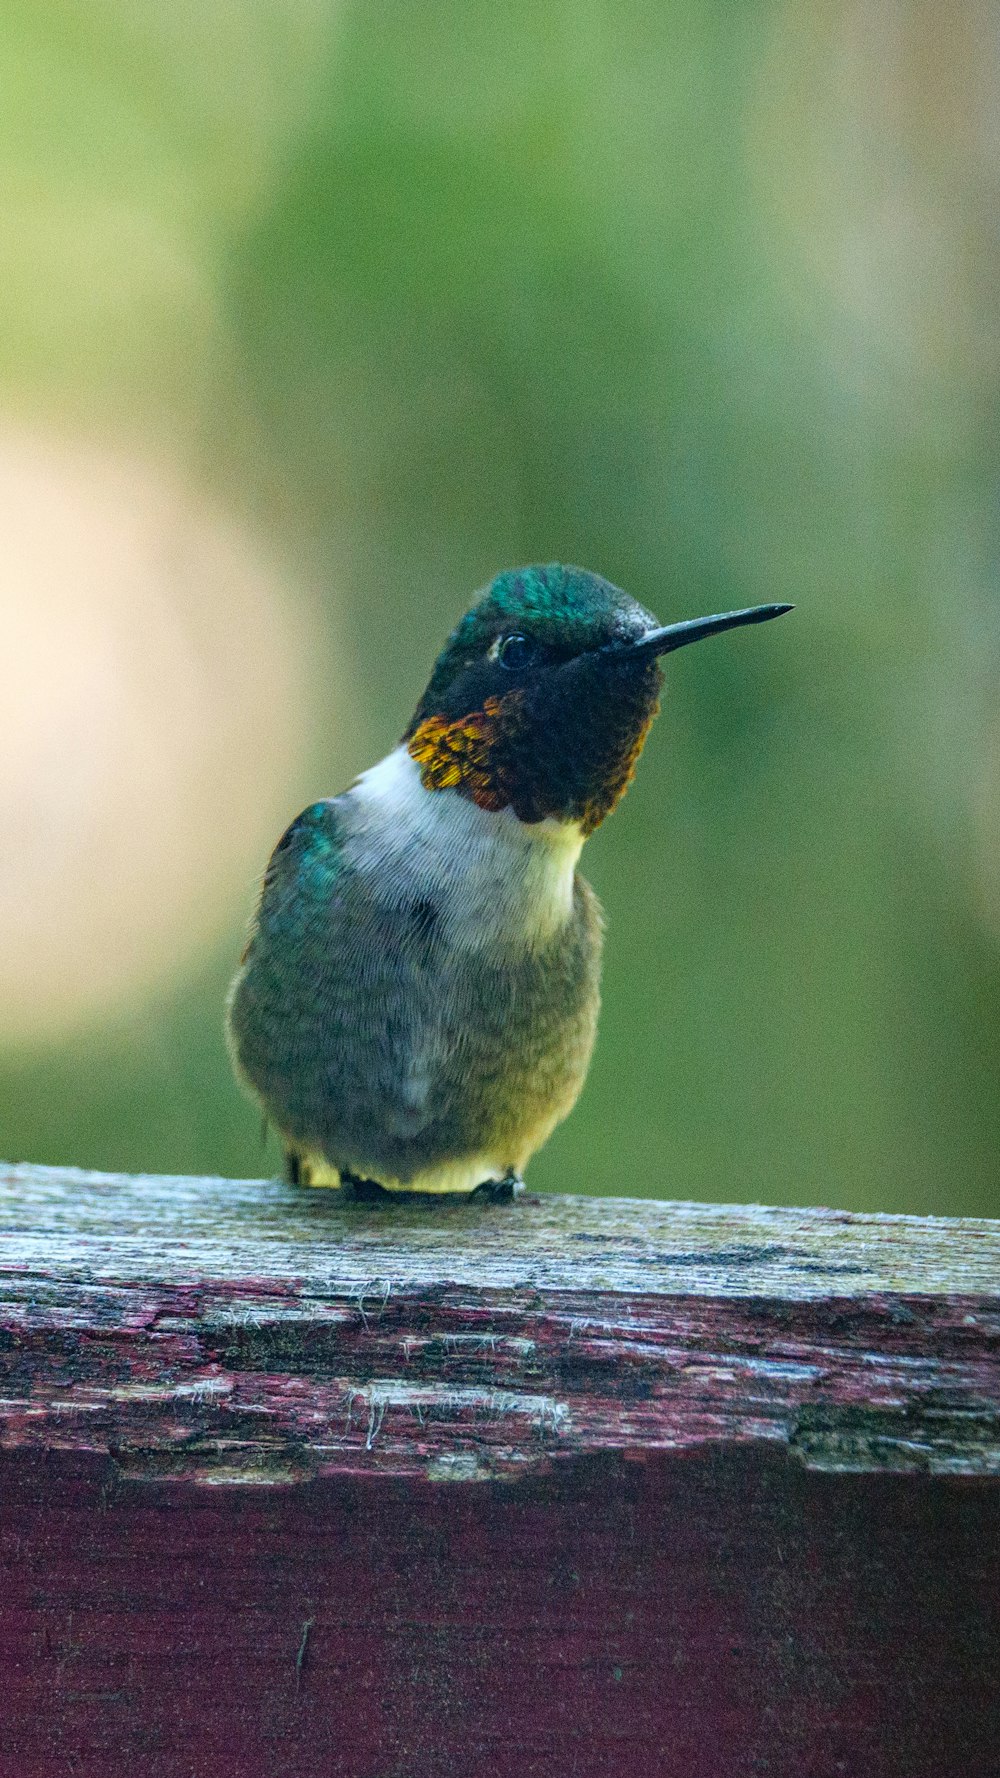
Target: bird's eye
(514,652)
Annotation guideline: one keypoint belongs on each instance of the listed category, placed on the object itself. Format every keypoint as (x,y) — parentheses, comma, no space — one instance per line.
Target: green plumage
(384,1035)
(417,1003)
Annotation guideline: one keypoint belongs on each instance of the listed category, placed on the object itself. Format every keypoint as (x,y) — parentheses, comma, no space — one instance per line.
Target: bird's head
(543,694)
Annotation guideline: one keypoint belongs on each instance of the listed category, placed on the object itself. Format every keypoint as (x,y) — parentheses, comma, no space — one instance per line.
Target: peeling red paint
(336,1523)
(198,1378)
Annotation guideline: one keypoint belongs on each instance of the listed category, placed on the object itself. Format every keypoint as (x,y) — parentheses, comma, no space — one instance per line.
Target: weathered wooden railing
(588,1487)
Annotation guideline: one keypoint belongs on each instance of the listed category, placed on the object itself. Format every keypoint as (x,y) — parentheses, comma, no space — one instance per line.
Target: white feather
(492,878)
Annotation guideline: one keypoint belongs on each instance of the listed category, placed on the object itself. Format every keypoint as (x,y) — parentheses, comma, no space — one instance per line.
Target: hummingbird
(416,1006)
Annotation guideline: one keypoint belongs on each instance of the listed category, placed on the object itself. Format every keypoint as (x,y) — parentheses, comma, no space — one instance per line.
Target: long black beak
(693,629)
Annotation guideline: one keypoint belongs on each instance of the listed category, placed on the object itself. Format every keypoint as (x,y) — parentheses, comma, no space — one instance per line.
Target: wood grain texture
(214,1328)
(574,1486)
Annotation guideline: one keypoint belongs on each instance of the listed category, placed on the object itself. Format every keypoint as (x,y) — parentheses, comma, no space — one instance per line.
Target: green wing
(301,874)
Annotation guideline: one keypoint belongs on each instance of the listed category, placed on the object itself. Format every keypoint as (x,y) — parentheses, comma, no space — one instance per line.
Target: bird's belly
(418,1066)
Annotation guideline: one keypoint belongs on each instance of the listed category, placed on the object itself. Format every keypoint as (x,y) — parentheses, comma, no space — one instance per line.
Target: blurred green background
(316,316)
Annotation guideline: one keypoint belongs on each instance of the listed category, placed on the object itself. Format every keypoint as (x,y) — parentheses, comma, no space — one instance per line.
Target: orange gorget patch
(457,755)
(487,756)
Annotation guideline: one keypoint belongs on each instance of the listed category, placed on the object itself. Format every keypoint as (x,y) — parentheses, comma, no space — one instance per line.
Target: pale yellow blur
(154,708)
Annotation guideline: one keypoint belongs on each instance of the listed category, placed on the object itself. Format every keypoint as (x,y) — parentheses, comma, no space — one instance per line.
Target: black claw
(363,1191)
(499,1191)
(491,1191)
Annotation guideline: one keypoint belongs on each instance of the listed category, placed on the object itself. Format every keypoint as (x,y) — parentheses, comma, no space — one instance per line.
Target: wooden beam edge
(247,1333)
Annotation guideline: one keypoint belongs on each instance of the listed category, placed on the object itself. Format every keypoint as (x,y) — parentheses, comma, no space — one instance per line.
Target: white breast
(490,876)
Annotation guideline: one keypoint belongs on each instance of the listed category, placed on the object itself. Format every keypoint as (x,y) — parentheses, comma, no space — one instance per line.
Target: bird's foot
(499,1191)
(491,1191)
(300,1170)
(363,1191)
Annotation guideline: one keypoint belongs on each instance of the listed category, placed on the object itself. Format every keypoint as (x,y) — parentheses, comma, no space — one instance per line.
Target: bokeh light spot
(154,710)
